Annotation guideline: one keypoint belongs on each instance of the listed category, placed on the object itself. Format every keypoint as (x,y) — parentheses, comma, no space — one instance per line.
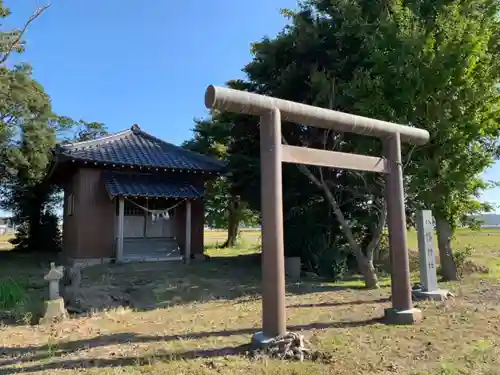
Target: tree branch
(18,38)
(333,202)
(377,233)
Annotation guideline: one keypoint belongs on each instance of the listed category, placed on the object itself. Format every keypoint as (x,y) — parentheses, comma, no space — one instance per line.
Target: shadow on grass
(103,363)
(147,286)
(38,353)
(336,304)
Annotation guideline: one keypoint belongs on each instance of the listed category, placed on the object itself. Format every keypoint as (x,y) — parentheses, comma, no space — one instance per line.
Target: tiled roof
(150,186)
(135,147)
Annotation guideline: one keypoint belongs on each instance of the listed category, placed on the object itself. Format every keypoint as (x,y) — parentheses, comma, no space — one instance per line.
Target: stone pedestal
(435,295)
(402,317)
(54,311)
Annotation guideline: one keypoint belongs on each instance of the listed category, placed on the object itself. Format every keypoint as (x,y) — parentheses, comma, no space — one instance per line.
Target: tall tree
(26,134)
(23,104)
(28,131)
(35,203)
(424,63)
(435,65)
(27,119)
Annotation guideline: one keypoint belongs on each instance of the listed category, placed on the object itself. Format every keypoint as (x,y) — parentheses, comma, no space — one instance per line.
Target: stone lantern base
(54,311)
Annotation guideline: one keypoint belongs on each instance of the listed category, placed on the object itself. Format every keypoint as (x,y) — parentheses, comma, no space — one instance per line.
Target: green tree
(23,105)
(34,202)
(69,130)
(425,63)
(27,118)
(28,132)
(435,65)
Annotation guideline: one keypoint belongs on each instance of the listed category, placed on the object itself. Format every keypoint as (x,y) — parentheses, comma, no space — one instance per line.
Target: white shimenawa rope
(164,213)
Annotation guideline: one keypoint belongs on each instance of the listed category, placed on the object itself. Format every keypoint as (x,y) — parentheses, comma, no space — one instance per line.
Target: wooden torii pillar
(272,153)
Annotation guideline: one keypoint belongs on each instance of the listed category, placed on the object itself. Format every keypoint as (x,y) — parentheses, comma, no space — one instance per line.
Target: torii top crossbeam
(226,99)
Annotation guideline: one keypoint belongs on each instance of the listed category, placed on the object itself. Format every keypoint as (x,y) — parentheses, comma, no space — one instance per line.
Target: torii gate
(272,153)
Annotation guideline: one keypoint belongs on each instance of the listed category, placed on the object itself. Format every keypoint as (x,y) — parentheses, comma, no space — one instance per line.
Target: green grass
(12,293)
(485,245)
(196,319)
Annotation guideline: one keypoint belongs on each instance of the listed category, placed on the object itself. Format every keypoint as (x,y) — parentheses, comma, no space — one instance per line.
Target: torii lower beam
(272,111)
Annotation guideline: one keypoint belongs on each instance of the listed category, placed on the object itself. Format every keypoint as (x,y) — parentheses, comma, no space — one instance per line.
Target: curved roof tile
(138,148)
(151,186)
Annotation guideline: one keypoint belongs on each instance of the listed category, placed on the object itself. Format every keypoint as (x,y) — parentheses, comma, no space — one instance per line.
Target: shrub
(46,237)
(382,259)
(461,257)
(333,263)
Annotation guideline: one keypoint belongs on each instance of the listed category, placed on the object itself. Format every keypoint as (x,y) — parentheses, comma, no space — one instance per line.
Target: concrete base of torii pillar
(260,341)
(402,317)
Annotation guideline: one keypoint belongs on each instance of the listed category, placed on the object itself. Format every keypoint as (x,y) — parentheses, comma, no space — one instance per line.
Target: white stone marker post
(428,273)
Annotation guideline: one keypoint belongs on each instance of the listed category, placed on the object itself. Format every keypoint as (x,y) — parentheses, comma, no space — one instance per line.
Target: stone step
(150,248)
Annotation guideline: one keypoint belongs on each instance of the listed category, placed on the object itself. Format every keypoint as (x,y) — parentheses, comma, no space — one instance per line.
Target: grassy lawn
(485,245)
(170,318)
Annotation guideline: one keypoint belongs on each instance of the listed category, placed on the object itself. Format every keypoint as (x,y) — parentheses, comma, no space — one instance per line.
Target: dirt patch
(156,285)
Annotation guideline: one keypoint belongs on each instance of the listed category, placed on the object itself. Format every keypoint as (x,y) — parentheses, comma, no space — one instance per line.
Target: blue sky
(120,63)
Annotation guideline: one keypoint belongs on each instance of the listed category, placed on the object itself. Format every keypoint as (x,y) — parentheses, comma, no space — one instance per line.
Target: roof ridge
(137,147)
(205,158)
(98,141)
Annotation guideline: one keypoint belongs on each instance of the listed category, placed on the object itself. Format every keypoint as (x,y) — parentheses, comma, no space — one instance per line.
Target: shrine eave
(149,185)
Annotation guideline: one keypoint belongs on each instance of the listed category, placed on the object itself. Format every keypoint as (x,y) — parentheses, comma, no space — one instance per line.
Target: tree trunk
(232,233)
(446,259)
(233,224)
(367,269)
(377,255)
(364,262)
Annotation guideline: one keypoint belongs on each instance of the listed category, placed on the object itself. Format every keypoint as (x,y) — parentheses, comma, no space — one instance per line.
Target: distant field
(486,237)
(4,241)
(248,237)
(485,244)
